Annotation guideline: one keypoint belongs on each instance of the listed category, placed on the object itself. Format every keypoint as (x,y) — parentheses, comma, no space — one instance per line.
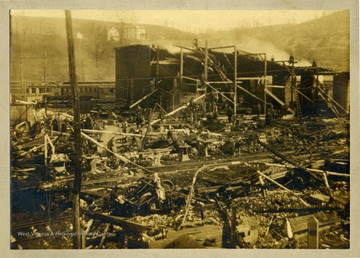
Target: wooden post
(182,67)
(235,78)
(23,85)
(181,62)
(157,64)
(77,133)
(233,226)
(313,233)
(292,82)
(205,74)
(82,69)
(206,62)
(45,152)
(45,86)
(265,82)
(45,71)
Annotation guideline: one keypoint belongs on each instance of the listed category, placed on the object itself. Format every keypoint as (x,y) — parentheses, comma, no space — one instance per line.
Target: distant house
(79,35)
(135,32)
(113,34)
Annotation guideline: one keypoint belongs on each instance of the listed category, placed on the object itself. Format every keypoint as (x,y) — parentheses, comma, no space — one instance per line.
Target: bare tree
(98,46)
(122,21)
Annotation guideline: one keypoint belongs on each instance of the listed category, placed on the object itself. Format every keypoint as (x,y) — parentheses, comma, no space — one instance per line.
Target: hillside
(325,40)
(31,37)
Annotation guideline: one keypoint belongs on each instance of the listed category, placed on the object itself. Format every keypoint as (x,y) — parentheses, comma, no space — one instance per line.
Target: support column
(77,133)
(235,78)
(23,85)
(181,66)
(265,82)
(205,74)
(206,62)
(45,85)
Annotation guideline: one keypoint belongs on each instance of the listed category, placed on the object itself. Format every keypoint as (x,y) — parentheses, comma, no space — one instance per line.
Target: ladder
(298,106)
(218,69)
(227,59)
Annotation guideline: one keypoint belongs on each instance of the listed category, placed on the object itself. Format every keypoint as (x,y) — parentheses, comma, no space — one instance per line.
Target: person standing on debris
(35,129)
(258,109)
(139,117)
(89,122)
(64,125)
(269,117)
(125,125)
(139,120)
(55,124)
(160,190)
(263,186)
(229,113)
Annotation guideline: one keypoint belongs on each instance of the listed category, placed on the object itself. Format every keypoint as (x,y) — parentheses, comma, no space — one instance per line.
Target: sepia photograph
(179,129)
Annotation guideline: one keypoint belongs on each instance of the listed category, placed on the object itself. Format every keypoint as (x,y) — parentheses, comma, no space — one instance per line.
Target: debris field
(181,183)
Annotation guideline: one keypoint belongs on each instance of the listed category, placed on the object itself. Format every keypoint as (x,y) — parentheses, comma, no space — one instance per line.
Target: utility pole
(77,133)
(206,61)
(291,62)
(45,63)
(182,67)
(265,82)
(45,86)
(157,63)
(23,86)
(82,69)
(235,78)
(205,73)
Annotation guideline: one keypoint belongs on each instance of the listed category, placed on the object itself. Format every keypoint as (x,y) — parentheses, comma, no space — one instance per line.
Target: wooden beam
(178,109)
(119,221)
(231,101)
(278,100)
(142,99)
(221,47)
(122,158)
(248,92)
(283,187)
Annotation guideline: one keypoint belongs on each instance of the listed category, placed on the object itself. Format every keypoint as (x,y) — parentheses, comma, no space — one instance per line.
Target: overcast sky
(190,20)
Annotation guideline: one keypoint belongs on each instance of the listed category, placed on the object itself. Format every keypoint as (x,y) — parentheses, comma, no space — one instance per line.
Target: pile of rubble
(180,185)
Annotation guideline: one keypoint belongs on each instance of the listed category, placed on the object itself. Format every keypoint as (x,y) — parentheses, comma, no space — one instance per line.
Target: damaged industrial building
(204,147)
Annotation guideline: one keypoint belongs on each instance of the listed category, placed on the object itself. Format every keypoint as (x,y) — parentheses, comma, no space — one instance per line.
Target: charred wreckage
(200,149)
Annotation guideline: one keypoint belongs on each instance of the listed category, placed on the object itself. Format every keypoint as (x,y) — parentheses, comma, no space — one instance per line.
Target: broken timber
(115,220)
(178,109)
(122,158)
(280,185)
(142,99)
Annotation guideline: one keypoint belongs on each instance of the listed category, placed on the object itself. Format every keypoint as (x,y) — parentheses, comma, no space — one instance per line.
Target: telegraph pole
(265,82)
(45,86)
(206,72)
(23,85)
(77,133)
(235,78)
